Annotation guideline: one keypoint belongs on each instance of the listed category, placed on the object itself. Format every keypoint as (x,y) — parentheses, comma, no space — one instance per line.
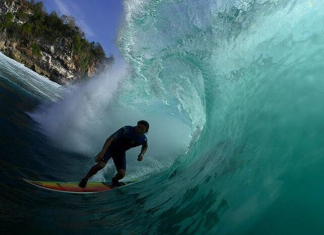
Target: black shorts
(118,158)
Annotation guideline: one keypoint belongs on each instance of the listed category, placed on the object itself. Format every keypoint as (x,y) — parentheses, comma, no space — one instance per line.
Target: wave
(232,91)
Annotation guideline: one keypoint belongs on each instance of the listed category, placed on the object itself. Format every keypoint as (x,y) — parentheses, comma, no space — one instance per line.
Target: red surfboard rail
(71,187)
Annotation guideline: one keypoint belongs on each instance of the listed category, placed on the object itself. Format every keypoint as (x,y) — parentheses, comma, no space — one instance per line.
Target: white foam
(88,113)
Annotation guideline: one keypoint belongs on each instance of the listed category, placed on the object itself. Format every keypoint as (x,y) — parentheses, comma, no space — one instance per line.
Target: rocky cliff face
(57,60)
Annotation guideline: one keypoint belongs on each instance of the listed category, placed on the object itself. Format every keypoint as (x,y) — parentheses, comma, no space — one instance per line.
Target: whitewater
(232,91)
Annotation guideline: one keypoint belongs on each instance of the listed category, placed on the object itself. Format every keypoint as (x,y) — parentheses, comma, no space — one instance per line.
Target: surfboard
(73,187)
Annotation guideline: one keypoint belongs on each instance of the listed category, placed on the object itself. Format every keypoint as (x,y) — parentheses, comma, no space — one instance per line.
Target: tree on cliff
(31,27)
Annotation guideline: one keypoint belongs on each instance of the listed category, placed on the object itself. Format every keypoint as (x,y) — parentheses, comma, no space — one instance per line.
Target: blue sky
(98,19)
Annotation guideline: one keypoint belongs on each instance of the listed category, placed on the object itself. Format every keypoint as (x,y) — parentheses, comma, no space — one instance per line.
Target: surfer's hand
(140,157)
(99,157)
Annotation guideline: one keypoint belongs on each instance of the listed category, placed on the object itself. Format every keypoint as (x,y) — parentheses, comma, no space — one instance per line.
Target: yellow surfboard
(73,187)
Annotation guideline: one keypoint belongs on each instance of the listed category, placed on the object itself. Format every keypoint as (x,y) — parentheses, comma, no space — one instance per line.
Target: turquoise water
(233,92)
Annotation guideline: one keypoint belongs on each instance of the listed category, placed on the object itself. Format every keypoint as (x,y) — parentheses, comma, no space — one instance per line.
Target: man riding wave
(116,146)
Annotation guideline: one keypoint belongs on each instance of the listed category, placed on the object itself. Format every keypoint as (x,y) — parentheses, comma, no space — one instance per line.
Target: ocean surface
(233,92)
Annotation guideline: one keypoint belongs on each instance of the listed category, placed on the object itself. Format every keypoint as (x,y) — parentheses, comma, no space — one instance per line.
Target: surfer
(116,146)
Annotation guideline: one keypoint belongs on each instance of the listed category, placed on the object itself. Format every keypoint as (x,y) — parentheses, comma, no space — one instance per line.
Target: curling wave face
(232,90)
(248,74)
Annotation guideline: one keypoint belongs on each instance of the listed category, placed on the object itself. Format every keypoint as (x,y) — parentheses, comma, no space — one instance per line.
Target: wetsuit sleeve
(120,133)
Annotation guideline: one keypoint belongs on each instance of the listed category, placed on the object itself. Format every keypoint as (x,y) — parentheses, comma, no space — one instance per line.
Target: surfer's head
(142,127)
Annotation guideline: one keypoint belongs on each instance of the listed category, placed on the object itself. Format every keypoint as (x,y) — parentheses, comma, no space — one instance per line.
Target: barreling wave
(248,75)
(232,90)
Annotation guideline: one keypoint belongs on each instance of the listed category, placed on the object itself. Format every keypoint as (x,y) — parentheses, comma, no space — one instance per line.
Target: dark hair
(144,123)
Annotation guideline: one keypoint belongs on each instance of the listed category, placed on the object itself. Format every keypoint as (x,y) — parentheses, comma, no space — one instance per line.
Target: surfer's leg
(120,164)
(120,174)
(95,169)
(91,173)
(101,164)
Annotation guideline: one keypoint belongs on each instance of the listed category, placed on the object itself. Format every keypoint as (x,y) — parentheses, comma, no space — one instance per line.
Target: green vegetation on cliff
(31,26)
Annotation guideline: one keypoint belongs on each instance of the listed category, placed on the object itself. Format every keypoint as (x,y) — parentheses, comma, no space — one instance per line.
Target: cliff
(51,46)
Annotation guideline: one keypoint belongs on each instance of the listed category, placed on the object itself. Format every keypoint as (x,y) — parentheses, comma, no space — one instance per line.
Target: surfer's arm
(143,150)
(101,154)
(107,144)
(118,134)
(141,155)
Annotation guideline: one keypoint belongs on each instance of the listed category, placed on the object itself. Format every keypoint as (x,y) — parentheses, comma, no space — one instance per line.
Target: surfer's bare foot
(115,183)
(83,183)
